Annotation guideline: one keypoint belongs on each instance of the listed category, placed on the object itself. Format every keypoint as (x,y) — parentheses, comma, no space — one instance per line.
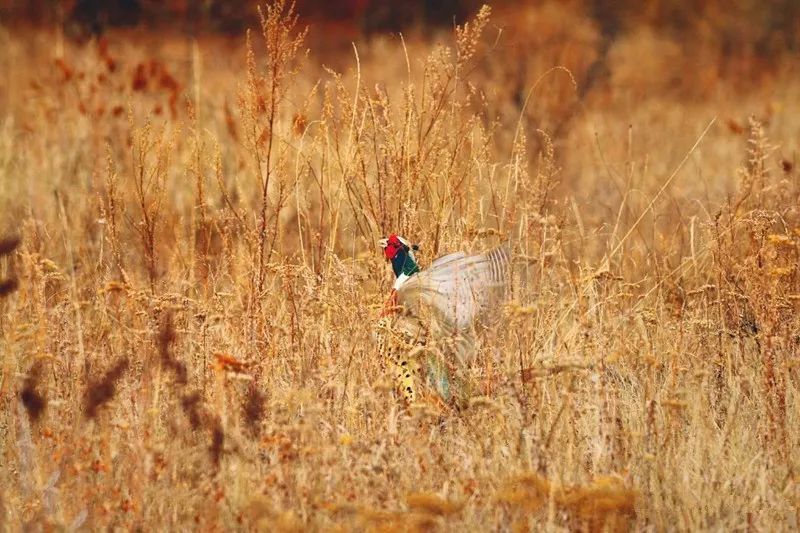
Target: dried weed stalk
(261,101)
(164,340)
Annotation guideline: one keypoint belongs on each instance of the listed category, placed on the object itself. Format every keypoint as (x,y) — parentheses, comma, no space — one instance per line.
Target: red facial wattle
(393,245)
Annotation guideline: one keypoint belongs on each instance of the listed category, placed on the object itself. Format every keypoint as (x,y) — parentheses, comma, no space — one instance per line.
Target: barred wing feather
(459,289)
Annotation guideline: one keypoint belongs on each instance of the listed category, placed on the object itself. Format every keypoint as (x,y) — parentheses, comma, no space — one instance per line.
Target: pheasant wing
(459,289)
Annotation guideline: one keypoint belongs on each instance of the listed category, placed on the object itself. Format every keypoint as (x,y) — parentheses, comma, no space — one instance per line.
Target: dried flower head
(253,408)
(215,449)
(8,245)
(35,403)
(102,391)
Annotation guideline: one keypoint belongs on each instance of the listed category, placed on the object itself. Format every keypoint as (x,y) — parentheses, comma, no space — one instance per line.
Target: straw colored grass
(186,326)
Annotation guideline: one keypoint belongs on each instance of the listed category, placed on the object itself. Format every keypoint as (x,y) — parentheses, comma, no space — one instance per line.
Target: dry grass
(189,345)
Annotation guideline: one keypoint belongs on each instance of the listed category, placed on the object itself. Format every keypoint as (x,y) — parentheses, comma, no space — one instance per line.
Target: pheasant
(435,311)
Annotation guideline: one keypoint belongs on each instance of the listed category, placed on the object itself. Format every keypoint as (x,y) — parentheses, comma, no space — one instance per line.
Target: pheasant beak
(383,243)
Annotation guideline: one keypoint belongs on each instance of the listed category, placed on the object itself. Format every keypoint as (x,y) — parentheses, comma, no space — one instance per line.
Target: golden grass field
(186,322)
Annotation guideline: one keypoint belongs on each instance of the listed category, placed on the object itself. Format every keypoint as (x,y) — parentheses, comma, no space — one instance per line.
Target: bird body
(438,310)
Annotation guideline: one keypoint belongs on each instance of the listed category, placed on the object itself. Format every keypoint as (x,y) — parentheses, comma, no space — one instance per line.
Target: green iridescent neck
(403,263)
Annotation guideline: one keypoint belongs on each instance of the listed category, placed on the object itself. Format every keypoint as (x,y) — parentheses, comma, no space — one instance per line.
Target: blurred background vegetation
(764,27)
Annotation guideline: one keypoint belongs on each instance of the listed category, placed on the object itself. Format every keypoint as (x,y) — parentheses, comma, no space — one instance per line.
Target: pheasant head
(400,253)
